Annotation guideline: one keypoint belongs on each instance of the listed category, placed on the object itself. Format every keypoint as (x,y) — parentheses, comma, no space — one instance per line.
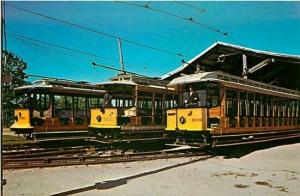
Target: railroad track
(23,163)
(46,152)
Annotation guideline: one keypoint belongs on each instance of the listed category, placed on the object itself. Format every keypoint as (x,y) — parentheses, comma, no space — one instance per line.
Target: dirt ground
(270,171)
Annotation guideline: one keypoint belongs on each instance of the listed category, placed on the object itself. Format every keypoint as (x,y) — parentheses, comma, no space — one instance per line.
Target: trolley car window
(258,105)
(194,95)
(251,103)
(231,102)
(212,95)
(93,102)
(171,101)
(201,95)
(297,109)
(270,104)
(81,101)
(265,106)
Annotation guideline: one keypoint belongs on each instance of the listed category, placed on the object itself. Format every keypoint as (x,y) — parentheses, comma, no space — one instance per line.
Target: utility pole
(121,56)
(3,45)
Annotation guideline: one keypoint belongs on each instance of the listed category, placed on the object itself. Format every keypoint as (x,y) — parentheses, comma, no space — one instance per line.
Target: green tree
(12,66)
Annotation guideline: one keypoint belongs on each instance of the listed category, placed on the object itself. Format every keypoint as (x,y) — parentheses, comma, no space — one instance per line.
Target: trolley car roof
(234,80)
(60,87)
(280,70)
(130,81)
(130,85)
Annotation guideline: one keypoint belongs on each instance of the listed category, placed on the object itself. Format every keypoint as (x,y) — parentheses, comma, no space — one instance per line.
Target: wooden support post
(180,96)
(164,108)
(136,97)
(238,109)
(123,100)
(73,108)
(86,107)
(45,101)
(223,123)
(254,110)
(66,102)
(77,107)
(52,108)
(98,102)
(153,109)
(34,101)
(118,102)
(133,99)
(40,105)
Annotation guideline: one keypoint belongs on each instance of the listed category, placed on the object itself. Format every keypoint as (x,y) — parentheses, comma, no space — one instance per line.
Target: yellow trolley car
(220,109)
(133,109)
(53,106)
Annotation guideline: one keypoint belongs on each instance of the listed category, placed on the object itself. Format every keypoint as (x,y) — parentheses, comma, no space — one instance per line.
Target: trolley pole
(121,56)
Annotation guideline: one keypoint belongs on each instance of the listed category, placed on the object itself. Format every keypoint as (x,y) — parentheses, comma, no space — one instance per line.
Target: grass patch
(9,140)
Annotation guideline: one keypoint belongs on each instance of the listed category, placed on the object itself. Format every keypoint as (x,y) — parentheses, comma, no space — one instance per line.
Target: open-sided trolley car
(50,106)
(133,109)
(220,109)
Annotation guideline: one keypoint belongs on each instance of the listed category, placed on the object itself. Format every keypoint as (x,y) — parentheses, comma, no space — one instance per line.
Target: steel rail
(54,152)
(254,141)
(23,163)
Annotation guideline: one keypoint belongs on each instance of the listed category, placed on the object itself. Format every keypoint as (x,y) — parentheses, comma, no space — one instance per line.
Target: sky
(270,26)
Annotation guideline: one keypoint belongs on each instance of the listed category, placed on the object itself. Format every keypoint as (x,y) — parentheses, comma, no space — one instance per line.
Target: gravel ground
(272,171)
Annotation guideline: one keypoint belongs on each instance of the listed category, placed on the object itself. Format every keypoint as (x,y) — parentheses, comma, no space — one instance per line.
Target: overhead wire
(201,10)
(42,46)
(33,41)
(147,6)
(60,46)
(30,44)
(187,19)
(175,15)
(97,31)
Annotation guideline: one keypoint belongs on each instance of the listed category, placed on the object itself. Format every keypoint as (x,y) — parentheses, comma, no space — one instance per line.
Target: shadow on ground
(242,150)
(227,152)
(122,181)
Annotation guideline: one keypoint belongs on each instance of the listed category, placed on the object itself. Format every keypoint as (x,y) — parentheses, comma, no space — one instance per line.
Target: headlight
(182,120)
(99,118)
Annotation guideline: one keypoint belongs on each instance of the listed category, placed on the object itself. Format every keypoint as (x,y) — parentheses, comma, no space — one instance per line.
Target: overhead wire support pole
(121,56)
